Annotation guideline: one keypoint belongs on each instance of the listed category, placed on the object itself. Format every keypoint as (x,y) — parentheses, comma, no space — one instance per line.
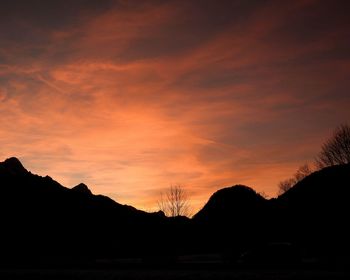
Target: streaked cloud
(130,97)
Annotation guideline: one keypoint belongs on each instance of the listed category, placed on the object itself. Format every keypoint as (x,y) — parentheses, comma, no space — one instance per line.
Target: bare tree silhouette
(174,202)
(336,150)
(285,185)
(300,174)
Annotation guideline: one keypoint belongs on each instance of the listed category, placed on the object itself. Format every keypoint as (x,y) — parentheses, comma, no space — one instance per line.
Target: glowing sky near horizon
(130,97)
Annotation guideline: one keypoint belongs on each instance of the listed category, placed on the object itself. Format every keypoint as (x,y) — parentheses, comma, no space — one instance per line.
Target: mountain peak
(236,193)
(82,188)
(231,201)
(13,165)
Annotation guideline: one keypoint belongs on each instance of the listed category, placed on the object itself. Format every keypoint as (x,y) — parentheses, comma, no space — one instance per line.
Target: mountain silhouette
(314,212)
(12,166)
(231,203)
(45,222)
(82,188)
(231,218)
(311,216)
(41,218)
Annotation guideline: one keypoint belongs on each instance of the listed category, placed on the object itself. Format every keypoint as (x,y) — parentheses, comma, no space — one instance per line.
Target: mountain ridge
(13,166)
(42,218)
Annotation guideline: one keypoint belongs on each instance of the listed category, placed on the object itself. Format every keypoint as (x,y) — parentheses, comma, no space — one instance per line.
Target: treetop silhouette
(336,150)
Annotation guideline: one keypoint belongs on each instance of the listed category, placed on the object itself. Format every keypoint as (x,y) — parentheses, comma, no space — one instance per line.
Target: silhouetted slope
(233,219)
(312,215)
(315,212)
(12,167)
(235,202)
(330,183)
(82,188)
(41,218)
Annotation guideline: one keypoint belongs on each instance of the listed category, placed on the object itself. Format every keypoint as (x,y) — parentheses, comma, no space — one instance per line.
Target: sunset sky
(130,97)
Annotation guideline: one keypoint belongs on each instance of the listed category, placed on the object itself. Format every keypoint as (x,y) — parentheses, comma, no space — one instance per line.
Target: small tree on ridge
(300,174)
(174,202)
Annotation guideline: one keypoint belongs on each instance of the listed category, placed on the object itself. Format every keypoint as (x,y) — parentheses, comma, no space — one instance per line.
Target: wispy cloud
(132,97)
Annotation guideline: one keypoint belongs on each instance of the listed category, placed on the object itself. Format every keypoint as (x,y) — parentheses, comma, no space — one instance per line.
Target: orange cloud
(137,97)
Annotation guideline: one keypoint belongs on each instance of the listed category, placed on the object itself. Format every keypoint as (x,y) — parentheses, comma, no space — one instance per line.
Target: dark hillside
(43,221)
(315,212)
(41,218)
(233,219)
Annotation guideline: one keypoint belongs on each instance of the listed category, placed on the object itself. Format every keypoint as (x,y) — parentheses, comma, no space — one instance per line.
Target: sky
(131,97)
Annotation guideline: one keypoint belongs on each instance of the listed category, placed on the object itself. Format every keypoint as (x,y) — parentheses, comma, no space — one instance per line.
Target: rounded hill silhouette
(232,202)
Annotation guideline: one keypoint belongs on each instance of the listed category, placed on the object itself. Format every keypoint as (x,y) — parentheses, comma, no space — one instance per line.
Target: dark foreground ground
(173,273)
